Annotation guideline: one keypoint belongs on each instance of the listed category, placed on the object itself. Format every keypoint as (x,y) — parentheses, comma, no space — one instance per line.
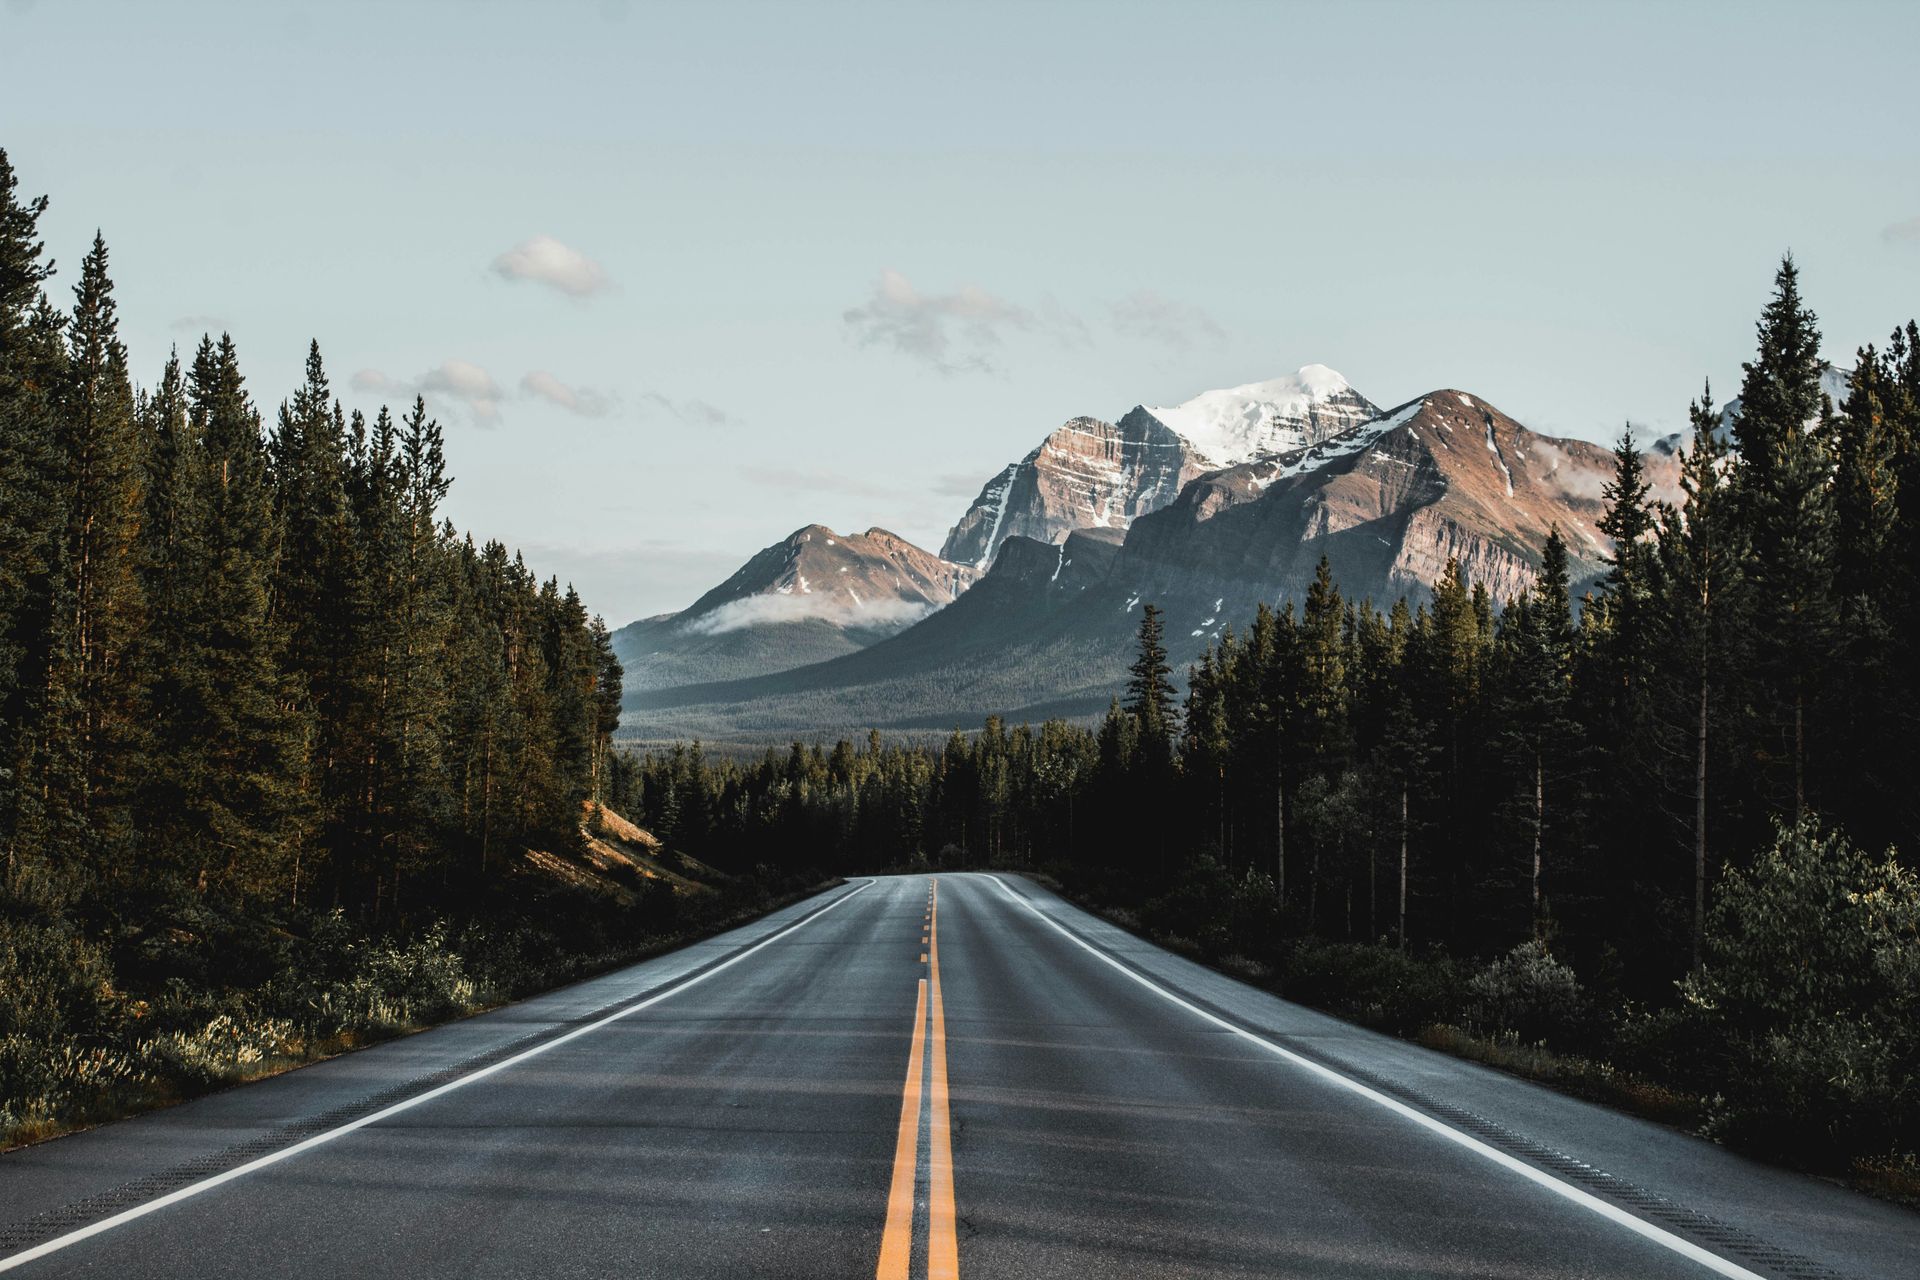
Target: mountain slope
(812,596)
(1092,473)
(1049,630)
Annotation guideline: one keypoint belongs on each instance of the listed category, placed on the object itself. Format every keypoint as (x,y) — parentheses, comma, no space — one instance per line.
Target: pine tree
(1702,553)
(32,367)
(90,723)
(1535,718)
(1150,697)
(1787,507)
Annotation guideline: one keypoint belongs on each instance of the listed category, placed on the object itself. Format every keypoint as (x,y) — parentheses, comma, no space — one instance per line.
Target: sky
(681,278)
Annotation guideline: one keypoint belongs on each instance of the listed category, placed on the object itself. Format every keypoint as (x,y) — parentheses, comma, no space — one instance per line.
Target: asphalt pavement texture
(917,1076)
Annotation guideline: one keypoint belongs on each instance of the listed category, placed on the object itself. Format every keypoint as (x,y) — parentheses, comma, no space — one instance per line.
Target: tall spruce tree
(1702,633)
(1150,697)
(32,368)
(90,721)
(1786,503)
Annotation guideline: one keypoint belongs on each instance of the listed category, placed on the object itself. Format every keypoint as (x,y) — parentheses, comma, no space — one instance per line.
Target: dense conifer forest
(276,741)
(1667,828)
(272,732)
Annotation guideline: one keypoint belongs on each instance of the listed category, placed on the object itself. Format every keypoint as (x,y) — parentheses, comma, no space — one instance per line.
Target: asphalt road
(904,1077)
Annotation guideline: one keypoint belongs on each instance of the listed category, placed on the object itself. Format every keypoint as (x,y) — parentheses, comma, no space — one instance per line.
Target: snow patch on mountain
(761,610)
(1344,445)
(1238,424)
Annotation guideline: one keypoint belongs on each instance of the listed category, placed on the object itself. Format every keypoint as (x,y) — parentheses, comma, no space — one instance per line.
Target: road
(916,1076)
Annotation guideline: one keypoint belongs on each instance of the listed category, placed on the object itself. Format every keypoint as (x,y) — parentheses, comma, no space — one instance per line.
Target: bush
(1374,984)
(1812,986)
(1529,996)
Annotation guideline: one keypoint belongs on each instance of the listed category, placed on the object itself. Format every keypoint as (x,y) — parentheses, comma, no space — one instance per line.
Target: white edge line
(207,1184)
(1613,1213)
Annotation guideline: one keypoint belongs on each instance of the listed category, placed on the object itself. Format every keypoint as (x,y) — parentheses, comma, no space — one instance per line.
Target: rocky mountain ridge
(1048,629)
(1092,473)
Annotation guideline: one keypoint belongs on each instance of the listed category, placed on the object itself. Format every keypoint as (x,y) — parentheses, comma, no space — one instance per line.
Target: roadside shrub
(1813,985)
(225,1050)
(1374,984)
(1529,996)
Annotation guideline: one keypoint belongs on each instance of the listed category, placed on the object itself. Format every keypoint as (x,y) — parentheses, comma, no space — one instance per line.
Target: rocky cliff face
(1094,474)
(1049,629)
(1085,474)
(1445,477)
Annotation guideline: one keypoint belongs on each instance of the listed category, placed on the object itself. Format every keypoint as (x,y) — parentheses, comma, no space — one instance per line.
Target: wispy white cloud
(1177,326)
(465,386)
(460,383)
(695,413)
(582,401)
(545,260)
(198,324)
(952,332)
(1907,232)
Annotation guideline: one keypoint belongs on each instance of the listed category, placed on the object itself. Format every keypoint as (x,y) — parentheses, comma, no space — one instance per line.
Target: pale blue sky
(1572,211)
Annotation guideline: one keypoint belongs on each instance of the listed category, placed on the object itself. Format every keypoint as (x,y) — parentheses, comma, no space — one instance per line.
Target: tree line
(248,670)
(1639,826)
(1459,769)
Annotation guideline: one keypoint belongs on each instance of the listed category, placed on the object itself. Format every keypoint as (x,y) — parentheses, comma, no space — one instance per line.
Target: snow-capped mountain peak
(1258,419)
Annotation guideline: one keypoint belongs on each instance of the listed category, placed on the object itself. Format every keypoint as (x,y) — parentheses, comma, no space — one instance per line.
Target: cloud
(836,606)
(545,260)
(952,332)
(466,386)
(1907,232)
(695,413)
(1177,326)
(198,324)
(583,401)
(458,382)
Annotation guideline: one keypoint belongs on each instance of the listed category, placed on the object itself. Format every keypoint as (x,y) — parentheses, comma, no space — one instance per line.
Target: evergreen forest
(1656,842)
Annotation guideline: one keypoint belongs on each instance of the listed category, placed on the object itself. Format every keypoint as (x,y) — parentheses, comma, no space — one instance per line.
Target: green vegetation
(1600,839)
(275,740)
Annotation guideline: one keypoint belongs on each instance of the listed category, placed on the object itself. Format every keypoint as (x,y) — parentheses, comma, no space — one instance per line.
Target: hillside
(812,596)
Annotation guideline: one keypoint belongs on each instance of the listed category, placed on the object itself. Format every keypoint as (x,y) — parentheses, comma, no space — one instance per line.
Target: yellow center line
(896,1245)
(943,1250)
(927,1057)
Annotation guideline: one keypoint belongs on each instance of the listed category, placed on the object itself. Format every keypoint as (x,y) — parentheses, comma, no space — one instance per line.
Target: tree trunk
(1799,755)
(1403,866)
(1280,828)
(1539,816)
(1700,830)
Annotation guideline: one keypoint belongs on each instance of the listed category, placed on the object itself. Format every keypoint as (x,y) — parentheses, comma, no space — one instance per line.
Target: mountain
(1049,629)
(813,595)
(1091,473)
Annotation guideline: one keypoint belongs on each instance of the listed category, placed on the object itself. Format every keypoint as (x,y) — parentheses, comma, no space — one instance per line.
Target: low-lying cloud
(544,260)
(840,607)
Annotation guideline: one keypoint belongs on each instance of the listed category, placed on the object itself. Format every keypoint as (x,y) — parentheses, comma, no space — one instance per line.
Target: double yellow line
(929,1042)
